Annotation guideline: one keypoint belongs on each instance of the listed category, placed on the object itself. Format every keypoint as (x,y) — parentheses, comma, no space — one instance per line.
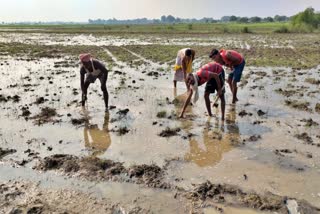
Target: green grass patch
(52,51)
(183,28)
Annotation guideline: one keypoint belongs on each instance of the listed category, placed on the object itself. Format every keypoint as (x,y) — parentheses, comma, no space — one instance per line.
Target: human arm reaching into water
(186,103)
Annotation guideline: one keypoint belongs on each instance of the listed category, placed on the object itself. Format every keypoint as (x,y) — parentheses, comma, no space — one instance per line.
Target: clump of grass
(298,105)
(225,29)
(168,132)
(245,30)
(161,114)
(282,29)
(317,108)
(312,81)
(171,27)
(121,130)
(48,112)
(287,93)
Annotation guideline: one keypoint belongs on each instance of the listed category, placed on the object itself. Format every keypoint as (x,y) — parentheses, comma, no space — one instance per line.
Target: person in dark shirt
(91,70)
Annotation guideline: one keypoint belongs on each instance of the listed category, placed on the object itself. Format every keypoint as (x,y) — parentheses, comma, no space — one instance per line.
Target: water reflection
(215,141)
(233,131)
(97,140)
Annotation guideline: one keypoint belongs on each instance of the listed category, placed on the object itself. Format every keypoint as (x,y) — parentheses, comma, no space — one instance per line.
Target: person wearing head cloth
(213,75)
(183,65)
(235,61)
(91,70)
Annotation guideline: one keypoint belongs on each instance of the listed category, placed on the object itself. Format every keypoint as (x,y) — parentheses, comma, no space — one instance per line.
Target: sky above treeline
(82,10)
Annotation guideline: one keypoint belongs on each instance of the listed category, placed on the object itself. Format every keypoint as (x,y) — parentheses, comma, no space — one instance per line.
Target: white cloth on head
(194,88)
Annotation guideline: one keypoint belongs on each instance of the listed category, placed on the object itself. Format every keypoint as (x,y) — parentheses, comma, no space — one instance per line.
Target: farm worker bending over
(213,74)
(183,65)
(91,69)
(235,62)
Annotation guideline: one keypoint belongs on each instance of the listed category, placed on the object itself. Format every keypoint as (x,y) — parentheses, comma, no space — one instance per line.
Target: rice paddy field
(140,157)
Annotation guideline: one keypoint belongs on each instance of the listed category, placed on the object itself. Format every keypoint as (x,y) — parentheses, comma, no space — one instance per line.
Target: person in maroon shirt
(212,74)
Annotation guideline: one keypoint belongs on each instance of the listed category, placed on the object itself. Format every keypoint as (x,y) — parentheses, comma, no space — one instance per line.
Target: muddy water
(241,150)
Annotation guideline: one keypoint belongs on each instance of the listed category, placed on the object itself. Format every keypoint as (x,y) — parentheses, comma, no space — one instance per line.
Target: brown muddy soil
(232,195)
(97,169)
(46,115)
(298,105)
(169,132)
(4,152)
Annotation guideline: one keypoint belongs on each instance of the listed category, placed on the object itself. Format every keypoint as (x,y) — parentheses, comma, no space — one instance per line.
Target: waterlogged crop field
(57,157)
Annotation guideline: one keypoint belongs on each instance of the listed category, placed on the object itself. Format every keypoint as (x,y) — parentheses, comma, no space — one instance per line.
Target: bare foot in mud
(235,100)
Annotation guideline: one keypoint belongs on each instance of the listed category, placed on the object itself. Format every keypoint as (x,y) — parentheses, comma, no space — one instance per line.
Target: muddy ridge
(233,196)
(46,115)
(93,168)
(4,152)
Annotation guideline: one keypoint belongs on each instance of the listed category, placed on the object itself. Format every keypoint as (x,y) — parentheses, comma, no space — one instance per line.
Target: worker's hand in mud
(181,115)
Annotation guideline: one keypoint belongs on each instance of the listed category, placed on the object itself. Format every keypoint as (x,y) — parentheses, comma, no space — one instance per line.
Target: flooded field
(58,157)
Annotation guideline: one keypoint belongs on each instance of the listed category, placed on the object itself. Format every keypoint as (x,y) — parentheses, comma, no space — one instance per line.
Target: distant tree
(171,19)
(225,19)
(243,20)
(163,19)
(255,19)
(278,18)
(268,19)
(233,19)
(307,17)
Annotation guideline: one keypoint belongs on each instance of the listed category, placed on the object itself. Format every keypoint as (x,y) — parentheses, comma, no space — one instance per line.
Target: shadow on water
(215,141)
(97,140)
